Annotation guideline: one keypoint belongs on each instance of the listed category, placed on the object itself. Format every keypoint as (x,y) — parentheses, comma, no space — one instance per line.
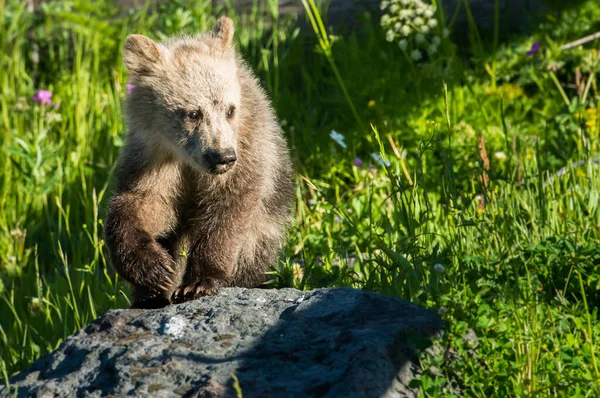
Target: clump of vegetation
(466,181)
(413,24)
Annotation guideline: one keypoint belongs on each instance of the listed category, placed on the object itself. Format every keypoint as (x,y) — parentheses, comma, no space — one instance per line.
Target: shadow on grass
(386,86)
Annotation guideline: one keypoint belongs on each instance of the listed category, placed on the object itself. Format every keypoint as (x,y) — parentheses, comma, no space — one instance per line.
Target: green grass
(519,245)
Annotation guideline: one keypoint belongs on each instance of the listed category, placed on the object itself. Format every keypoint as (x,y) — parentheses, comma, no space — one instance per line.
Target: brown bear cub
(204,185)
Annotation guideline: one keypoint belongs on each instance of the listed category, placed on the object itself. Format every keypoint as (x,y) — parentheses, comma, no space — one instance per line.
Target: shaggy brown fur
(204,184)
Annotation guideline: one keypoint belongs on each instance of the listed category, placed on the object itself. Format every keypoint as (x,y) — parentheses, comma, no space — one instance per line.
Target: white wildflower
(501,156)
(436,41)
(379,159)
(412,20)
(416,55)
(35,304)
(439,268)
(389,36)
(339,138)
(403,44)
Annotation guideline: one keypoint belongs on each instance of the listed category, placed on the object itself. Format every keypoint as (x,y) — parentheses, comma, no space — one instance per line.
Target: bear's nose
(220,158)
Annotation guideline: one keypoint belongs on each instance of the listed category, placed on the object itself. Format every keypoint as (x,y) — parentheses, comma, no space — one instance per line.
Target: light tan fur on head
(141,55)
(224,31)
(187,96)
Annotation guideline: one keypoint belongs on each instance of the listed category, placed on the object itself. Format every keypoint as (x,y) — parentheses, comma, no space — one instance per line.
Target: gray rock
(284,343)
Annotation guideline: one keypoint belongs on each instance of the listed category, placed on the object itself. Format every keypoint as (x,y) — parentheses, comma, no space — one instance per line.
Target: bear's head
(187,96)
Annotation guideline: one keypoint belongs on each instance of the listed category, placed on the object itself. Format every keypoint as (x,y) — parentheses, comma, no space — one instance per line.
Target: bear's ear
(141,55)
(224,31)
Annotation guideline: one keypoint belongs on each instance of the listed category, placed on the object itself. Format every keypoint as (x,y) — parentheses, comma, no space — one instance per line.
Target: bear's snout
(220,161)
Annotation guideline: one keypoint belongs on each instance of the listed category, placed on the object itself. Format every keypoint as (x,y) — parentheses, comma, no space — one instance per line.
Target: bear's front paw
(206,287)
(157,274)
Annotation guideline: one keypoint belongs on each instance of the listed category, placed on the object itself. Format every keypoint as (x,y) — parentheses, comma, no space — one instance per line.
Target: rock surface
(285,343)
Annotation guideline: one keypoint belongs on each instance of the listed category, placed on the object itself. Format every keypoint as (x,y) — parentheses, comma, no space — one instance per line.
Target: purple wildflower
(43,97)
(129,86)
(535,47)
(357,162)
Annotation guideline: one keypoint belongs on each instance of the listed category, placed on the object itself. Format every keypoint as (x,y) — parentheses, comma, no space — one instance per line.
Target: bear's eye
(193,116)
(230,112)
